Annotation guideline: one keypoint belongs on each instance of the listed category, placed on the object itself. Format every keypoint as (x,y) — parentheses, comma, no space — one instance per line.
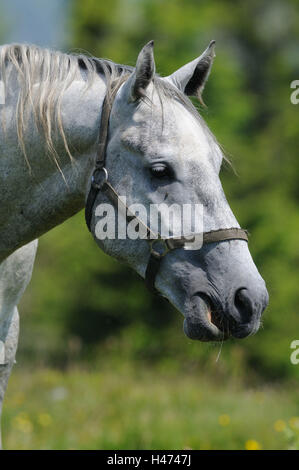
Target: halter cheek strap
(159,247)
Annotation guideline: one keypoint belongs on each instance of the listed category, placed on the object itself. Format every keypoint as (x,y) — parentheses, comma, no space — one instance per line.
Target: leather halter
(159,246)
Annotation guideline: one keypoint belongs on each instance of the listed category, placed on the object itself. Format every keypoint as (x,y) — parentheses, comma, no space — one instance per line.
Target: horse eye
(160,171)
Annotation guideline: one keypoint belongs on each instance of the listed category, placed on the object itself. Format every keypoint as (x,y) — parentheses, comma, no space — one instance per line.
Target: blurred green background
(104,364)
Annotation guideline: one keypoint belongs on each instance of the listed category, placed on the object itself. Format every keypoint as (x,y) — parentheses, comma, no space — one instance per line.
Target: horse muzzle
(238,317)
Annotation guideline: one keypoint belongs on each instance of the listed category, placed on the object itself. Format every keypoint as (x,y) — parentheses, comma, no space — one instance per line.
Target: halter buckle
(98,184)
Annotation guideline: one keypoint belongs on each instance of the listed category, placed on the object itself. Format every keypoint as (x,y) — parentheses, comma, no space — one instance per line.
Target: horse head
(160,151)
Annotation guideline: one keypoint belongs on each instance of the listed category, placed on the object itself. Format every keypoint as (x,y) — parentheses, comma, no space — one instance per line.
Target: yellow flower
(44,419)
(23,423)
(279,425)
(294,422)
(251,444)
(224,420)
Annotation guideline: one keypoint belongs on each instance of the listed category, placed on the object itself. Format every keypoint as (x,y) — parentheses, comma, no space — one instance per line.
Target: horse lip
(203,321)
(244,330)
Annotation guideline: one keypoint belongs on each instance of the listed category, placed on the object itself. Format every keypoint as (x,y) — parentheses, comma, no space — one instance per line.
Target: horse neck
(36,200)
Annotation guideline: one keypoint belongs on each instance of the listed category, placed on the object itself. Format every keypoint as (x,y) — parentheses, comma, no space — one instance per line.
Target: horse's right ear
(144,71)
(191,78)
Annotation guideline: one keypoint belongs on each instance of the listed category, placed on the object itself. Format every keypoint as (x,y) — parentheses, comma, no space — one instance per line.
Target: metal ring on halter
(157,252)
(99,185)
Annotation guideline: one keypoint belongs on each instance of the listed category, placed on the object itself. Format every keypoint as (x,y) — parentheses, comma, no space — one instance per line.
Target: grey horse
(159,148)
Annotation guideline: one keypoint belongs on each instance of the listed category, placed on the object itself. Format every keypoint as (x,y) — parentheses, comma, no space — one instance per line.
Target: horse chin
(202,322)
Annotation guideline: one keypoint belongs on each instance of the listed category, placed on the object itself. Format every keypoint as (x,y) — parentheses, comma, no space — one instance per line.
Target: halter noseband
(159,246)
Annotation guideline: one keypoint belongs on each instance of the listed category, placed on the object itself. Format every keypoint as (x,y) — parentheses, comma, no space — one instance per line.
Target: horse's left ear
(144,71)
(191,78)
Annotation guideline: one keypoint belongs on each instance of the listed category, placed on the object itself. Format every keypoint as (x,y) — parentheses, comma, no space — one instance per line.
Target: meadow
(134,407)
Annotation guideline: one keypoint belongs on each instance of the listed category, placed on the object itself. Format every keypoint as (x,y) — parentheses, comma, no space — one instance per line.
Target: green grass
(143,408)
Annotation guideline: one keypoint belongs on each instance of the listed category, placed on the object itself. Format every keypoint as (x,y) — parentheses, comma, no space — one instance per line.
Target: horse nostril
(243,305)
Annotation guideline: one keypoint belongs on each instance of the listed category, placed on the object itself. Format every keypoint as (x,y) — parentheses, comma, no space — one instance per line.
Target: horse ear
(144,71)
(191,78)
